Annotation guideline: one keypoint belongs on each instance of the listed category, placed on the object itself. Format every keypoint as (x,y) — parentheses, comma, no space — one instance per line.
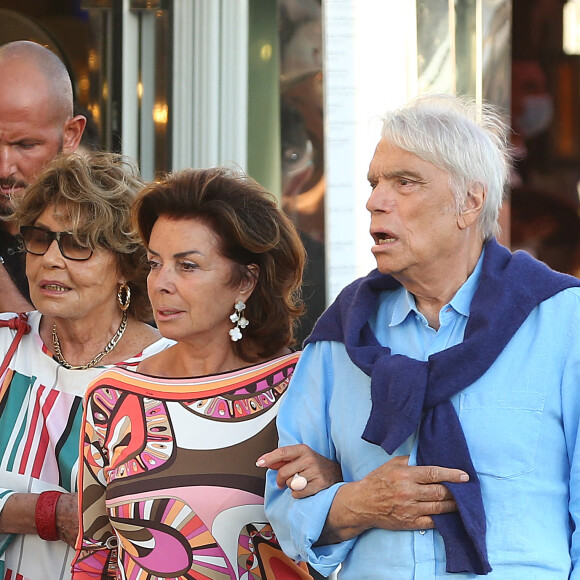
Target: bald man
(36,124)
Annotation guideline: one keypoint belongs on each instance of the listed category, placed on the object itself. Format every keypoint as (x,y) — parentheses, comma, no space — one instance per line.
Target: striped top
(40,419)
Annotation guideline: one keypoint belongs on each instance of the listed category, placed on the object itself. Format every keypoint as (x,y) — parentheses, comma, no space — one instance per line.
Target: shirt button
(422,532)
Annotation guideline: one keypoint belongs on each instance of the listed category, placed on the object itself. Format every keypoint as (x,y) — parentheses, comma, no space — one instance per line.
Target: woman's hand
(67,518)
(318,471)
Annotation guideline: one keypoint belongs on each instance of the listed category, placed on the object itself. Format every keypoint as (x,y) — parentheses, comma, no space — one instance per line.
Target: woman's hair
(469,142)
(251,229)
(95,194)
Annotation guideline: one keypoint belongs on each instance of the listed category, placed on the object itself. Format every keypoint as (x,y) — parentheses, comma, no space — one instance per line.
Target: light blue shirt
(520,420)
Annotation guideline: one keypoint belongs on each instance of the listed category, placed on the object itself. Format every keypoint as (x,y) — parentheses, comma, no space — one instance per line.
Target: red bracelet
(45,515)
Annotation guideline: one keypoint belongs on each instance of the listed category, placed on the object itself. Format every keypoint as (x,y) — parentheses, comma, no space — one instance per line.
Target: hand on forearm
(319,471)
(395,496)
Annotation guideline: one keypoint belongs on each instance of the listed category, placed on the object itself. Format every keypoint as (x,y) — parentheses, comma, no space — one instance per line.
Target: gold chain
(112,344)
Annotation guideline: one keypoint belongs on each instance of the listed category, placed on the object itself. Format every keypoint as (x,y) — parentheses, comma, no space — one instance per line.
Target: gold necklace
(112,344)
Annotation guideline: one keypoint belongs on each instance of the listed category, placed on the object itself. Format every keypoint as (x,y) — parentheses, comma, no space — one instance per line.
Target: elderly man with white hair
(454,354)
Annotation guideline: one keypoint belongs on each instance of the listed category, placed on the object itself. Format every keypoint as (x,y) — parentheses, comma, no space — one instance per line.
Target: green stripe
(14,453)
(18,394)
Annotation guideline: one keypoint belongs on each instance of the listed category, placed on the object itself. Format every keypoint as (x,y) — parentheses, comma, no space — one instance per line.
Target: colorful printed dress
(40,420)
(172,464)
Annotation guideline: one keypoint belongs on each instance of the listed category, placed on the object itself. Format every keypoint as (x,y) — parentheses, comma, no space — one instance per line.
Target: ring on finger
(298,483)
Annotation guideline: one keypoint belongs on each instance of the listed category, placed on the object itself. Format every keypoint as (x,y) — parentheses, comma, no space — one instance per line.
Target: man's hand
(67,518)
(395,496)
(318,471)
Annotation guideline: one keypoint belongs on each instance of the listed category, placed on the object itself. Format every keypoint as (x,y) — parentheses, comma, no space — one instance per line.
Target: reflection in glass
(464,47)
(496,41)
(435,46)
(302,140)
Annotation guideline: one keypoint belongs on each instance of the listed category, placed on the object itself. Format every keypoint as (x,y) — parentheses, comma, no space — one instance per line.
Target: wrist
(346,519)
(45,515)
(354,499)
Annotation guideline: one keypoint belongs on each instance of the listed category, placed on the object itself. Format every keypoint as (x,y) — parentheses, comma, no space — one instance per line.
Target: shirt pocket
(502,430)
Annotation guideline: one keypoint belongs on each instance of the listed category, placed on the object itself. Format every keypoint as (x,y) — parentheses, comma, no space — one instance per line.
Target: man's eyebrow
(396,173)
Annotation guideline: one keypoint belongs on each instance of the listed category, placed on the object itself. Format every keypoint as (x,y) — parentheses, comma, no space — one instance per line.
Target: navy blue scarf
(403,389)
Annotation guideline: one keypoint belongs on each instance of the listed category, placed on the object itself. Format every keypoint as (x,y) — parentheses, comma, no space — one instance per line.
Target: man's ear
(72,133)
(472,205)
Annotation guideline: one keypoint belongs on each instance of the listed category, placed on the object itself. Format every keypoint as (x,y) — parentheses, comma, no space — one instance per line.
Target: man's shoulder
(6,238)
(557,313)
(568,297)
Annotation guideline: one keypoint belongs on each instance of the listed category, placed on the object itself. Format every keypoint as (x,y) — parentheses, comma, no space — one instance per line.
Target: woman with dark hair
(170,449)
(87,278)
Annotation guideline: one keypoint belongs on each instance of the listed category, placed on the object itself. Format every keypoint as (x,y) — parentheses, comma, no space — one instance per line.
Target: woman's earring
(124,296)
(238,318)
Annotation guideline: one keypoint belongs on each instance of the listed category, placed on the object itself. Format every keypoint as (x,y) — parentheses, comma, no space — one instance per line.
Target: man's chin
(8,194)
(5,207)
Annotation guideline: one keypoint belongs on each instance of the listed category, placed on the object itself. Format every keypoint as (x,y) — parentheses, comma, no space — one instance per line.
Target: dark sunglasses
(37,241)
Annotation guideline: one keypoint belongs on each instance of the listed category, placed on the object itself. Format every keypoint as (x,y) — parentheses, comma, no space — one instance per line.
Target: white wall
(370,56)
(210,83)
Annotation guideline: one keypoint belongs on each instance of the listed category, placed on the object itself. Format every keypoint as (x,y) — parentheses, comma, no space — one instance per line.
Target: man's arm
(10,298)
(395,496)
(571,423)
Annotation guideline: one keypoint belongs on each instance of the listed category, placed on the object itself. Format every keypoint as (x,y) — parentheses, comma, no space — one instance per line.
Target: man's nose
(381,199)
(7,165)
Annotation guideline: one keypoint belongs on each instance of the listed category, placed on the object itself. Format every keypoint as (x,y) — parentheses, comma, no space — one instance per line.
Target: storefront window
(302,139)
(99,41)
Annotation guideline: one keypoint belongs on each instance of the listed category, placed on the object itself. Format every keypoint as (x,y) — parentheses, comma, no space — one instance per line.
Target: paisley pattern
(176,544)
(169,485)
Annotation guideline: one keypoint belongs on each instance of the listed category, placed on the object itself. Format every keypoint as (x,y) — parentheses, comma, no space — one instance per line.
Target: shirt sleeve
(304,418)
(95,550)
(5,539)
(6,338)
(571,417)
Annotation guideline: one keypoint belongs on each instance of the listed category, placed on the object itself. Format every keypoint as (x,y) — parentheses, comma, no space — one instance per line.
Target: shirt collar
(461,302)
(405,301)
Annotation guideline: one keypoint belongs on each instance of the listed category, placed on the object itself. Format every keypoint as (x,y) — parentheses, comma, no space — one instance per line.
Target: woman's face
(71,289)
(189,285)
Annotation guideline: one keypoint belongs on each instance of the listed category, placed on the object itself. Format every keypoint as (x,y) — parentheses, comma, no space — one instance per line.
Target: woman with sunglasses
(87,276)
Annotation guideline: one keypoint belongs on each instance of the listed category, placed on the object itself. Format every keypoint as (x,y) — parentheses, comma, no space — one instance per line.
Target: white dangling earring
(240,322)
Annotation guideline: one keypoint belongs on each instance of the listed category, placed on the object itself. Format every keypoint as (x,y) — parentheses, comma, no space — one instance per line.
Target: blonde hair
(95,194)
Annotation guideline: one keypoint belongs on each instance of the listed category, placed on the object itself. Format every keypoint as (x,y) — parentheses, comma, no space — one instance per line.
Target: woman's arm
(18,516)
(318,472)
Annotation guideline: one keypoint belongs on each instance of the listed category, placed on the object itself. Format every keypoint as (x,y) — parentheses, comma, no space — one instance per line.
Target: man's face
(30,136)
(414,221)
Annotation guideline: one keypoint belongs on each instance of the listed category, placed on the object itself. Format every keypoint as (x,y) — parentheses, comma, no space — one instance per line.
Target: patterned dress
(172,464)
(40,419)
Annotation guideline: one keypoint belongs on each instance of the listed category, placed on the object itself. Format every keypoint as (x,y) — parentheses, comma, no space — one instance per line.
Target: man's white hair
(469,142)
